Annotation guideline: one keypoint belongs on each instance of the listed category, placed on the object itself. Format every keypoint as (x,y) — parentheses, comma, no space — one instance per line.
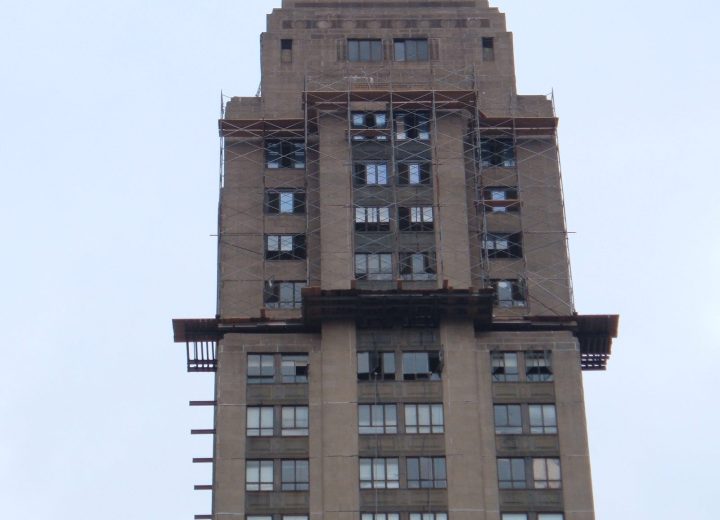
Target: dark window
(505,367)
(373,266)
(412,125)
(364,50)
(503,245)
(283,295)
(284,153)
(369,120)
(508,419)
(413,173)
(543,419)
(538,366)
(424,418)
(416,218)
(284,201)
(411,50)
(501,199)
(295,475)
(370,174)
(372,219)
(259,421)
(418,266)
(511,473)
(426,472)
(294,421)
(488,49)
(284,247)
(376,366)
(377,418)
(509,293)
(497,152)
(260,368)
(294,368)
(379,473)
(421,365)
(286,45)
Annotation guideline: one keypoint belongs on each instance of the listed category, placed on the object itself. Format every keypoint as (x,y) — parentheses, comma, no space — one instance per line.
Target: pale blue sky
(109,154)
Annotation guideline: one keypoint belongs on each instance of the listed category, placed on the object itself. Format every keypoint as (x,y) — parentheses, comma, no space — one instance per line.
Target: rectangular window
(508,419)
(371,174)
(488,49)
(412,125)
(379,473)
(418,266)
(376,366)
(511,473)
(421,366)
(369,120)
(260,368)
(509,293)
(364,50)
(295,475)
(286,45)
(503,245)
(426,472)
(538,366)
(284,202)
(260,421)
(294,421)
(411,50)
(424,418)
(284,247)
(543,419)
(550,516)
(283,153)
(505,367)
(294,517)
(546,473)
(373,266)
(380,516)
(413,173)
(258,475)
(500,199)
(428,516)
(372,219)
(498,151)
(514,516)
(283,295)
(416,218)
(377,418)
(259,517)
(294,368)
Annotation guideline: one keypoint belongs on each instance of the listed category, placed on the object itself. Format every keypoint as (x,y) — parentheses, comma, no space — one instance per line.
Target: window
(505,367)
(514,516)
(377,418)
(550,516)
(294,517)
(421,365)
(511,473)
(259,517)
(426,472)
(379,473)
(372,219)
(258,475)
(416,218)
(286,51)
(509,293)
(280,153)
(412,125)
(411,50)
(501,200)
(294,368)
(295,475)
(413,173)
(284,247)
(286,45)
(503,245)
(428,516)
(294,421)
(371,174)
(497,151)
(379,516)
(546,473)
(376,366)
(417,266)
(260,421)
(543,418)
(508,419)
(373,266)
(488,49)
(538,366)
(284,202)
(364,50)
(260,368)
(424,418)
(283,295)
(369,120)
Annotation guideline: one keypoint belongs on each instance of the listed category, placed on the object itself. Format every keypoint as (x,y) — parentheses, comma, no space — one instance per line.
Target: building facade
(395,336)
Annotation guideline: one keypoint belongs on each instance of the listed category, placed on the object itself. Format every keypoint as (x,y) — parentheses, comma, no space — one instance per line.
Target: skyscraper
(395,336)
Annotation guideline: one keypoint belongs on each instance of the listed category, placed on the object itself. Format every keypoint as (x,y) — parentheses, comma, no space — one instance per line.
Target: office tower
(395,335)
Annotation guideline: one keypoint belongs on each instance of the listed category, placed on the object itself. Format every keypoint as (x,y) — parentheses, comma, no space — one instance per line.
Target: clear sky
(109,163)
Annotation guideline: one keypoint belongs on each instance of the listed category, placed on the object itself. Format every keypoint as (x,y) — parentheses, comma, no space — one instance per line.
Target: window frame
(499,245)
(300,365)
(262,375)
(377,361)
(290,424)
(274,297)
(262,429)
(417,128)
(509,427)
(547,423)
(383,260)
(501,199)
(434,364)
(285,247)
(374,51)
(414,425)
(516,469)
(499,367)
(427,516)
(539,366)
(387,415)
(543,473)
(299,469)
(431,472)
(497,152)
(364,176)
(411,49)
(416,218)
(372,218)
(509,293)
(405,175)
(262,466)
(417,265)
(379,472)
(285,158)
(274,204)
